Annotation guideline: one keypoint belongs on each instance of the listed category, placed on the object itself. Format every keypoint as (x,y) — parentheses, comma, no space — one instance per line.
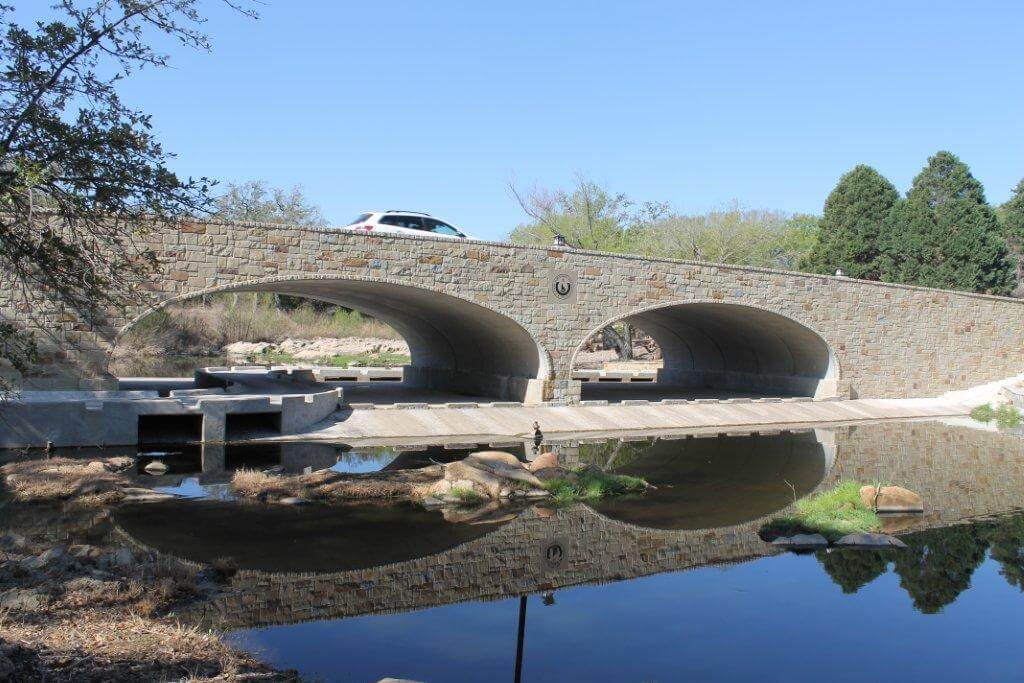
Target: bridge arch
(710,344)
(455,344)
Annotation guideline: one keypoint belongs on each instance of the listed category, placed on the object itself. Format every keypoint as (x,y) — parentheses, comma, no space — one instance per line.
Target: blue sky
(437,106)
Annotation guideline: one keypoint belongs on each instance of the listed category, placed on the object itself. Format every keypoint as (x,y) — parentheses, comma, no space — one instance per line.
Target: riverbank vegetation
(833,514)
(591,484)
(205,327)
(1005,415)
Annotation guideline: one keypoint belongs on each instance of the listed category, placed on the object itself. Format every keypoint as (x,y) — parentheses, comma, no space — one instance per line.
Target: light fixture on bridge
(840,273)
(559,240)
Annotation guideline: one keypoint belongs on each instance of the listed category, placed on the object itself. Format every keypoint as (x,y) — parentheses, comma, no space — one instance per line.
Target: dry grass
(63,479)
(328,485)
(204,329)
(116,627)
(253,483)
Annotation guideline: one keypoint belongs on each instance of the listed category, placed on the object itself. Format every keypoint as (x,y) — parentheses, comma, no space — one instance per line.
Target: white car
(404,223)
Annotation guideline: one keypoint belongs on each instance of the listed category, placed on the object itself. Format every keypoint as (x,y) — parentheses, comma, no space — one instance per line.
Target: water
(673,585)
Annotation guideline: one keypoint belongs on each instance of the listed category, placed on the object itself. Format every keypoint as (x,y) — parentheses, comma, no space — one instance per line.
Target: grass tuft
(466,496)
(589,485)
(837,512)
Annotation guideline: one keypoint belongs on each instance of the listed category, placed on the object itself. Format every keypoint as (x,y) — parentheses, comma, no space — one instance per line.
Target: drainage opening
(243,425)
(170,428)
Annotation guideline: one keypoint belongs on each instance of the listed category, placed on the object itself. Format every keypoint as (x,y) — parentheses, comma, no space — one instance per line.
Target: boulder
(96,466)
(870,541)
(543,461)
(891,499)
(121,557)
(501,464)
(801,542)
(15,541)
(156,467)
(242,348)
(894,523)
(549,473)
(23,599)
(120,463)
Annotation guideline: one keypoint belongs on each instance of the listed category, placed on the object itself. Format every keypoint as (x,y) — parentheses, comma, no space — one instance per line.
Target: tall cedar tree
(944,234)
(1013,230)
(850,229)
(81,172)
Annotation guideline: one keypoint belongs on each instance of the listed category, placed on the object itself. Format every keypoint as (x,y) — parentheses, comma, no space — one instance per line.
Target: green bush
(1005,415)
(983,413)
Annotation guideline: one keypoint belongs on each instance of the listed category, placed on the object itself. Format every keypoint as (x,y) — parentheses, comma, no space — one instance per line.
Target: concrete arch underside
(738,348)
(455,345)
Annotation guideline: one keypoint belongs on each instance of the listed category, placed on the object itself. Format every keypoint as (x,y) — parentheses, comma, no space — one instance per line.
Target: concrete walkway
(474,425)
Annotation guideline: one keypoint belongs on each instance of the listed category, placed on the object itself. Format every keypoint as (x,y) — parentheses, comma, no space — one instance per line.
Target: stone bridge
(506,321)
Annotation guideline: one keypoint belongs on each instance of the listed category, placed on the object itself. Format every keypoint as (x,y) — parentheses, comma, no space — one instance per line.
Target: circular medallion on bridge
(563,286)
(552,554)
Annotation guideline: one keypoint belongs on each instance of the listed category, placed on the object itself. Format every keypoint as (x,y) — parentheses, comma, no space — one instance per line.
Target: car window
(361,218)
(412,222)
(442,228)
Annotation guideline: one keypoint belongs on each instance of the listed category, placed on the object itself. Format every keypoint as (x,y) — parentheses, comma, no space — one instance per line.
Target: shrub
(983,413)
(1005,415)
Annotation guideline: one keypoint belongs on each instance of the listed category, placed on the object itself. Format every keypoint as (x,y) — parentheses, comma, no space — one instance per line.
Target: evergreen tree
(854,216)
(1013,229)
(945,235)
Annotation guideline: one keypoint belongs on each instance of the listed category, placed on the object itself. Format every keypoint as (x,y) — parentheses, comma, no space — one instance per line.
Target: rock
(549,473)
(156,467)
(893,523)
(120,463)
(96,466)
(891,499)
(293,500)
(85,553)
(870,541)
(543,461)
(544,512)
(53,556)
(23,599)
(242,348)
(14,541)
(502,464)
(801,542)
(122,557)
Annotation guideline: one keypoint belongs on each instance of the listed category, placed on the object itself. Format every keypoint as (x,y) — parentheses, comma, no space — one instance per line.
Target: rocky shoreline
(79,603)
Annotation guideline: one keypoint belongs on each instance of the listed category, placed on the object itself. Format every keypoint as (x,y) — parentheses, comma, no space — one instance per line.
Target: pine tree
(1013,230)
(854,216)
(944,234)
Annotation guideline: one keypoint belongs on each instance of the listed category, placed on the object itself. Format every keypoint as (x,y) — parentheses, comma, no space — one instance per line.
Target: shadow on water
(712,483)
(313,538)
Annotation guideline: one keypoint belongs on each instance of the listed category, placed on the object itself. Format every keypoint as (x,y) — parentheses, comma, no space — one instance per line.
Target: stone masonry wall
(887,340)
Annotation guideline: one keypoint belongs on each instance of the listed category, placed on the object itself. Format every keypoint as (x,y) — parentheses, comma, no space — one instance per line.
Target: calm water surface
(674,585)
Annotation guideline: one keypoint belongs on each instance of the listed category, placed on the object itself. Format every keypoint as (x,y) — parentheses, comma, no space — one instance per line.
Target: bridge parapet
(488,317)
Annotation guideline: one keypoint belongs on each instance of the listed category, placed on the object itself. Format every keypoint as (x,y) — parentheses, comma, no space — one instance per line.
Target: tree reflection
(937,565)
(852,569)
(1007,548)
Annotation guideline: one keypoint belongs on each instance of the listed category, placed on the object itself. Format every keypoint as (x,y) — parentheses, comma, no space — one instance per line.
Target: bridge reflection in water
(312,563)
